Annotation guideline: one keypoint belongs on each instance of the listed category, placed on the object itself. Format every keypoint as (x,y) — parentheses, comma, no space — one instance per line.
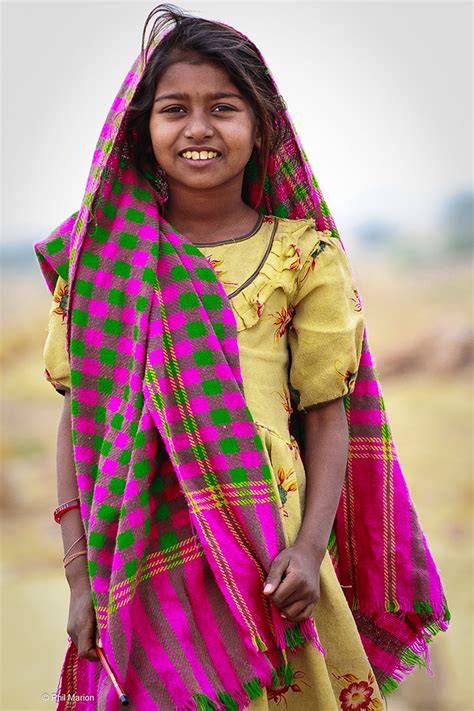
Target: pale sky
(380,93)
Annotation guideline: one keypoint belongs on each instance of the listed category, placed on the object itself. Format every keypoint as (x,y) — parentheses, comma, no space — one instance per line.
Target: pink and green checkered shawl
(175,488)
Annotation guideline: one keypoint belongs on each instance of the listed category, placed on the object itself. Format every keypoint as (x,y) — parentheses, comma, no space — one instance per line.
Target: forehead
(195,78)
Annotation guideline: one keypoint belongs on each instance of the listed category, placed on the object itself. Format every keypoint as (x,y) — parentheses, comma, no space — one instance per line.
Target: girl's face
(198,108)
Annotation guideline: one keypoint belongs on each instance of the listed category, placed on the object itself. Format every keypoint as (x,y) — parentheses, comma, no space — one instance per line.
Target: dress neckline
(252,232)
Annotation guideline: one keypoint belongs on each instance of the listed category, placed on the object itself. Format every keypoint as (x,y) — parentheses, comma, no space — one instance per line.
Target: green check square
(100,414)
(100,234)
(211,301)
(117,485)
(141,303)
(107,513)
(219,329)
(80,317)
(96,539)
(229,445)
(77,347)
(105,385)
(206,274)
(109,210)
(125,539)
(203,358)
(76,377)
(211,387)
(117,421)
(107,356)
(196,329)
(122,269)
(113,326)
(84,288)
(116,297)
(167,540)
(131,567)
(90,260)
(189,301)
(238,475)
(179,273)
(55,246)
(141,468)
(220,417)
(128,241)
(135,216)
(163,512)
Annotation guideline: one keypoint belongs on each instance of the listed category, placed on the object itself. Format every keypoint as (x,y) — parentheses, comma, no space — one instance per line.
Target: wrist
(316,549)
(77,573)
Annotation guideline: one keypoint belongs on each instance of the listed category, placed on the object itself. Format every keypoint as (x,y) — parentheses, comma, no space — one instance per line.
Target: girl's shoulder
(302,233)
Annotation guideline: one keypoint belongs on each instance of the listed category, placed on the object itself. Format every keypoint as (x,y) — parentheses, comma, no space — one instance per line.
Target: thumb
(276,572)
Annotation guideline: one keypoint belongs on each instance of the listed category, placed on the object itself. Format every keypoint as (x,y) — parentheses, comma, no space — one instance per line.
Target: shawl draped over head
(175,489)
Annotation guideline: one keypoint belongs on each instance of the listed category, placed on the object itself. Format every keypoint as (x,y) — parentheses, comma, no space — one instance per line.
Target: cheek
(160,133)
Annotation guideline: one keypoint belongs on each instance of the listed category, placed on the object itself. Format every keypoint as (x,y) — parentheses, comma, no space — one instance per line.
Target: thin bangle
(73,556)
(73,544)
(64,508)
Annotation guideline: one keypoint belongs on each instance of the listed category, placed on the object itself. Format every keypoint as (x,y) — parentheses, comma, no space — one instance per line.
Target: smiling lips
(199,155)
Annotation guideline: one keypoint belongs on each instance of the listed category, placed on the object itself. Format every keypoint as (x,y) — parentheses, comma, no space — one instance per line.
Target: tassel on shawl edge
(240,698)
(416,654)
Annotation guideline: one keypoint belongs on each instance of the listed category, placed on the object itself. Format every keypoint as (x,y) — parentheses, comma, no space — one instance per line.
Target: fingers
(298,612)
(276,573)
(86,644)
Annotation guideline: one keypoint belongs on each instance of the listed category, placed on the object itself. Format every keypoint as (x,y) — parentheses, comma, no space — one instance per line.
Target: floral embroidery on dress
(297,263)
(61,298)
(287,681)
(293,446)
(286,483)
(358,694)
(286,402)
(269,218)
(215,263)
(320,247)
(348,378)
(356,298)
(282,320)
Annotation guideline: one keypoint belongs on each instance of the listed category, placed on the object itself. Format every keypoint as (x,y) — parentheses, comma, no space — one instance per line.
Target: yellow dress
(300,331)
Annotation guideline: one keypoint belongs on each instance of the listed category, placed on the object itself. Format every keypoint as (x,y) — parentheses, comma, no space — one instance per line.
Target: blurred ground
(419,328)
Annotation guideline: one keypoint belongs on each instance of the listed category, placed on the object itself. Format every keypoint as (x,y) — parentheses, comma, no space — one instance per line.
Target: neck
(201,216)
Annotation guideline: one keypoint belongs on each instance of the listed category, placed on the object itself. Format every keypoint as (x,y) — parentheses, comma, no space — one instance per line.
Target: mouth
(200,158)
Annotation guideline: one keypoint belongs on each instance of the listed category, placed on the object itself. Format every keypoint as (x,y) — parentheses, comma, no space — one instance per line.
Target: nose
(198,126)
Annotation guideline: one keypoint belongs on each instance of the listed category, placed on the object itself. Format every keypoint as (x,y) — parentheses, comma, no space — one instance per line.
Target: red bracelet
(63,508)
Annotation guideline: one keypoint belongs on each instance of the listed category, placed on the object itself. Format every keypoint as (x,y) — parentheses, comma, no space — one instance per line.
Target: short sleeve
(55,358)
(326,334)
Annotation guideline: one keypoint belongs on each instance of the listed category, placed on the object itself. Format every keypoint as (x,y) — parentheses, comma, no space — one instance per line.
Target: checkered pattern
(176,490)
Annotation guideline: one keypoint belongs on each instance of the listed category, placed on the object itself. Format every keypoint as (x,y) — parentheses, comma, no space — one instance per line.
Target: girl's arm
(81,625)
(293,580)
(71,522)
(326,451)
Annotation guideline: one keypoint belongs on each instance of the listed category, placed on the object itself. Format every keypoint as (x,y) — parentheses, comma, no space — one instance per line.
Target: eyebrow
(182,96)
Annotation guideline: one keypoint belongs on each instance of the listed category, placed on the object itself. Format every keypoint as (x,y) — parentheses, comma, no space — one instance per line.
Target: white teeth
(199,155)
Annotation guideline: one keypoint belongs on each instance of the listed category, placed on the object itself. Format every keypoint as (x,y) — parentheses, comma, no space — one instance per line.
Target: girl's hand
(81,626)
(294,580)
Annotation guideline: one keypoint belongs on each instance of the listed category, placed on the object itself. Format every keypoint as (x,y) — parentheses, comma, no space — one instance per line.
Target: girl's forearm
(326,450)
(71,522)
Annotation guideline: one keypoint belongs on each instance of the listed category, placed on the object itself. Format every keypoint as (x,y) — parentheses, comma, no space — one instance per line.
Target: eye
(170,109)
(225,106)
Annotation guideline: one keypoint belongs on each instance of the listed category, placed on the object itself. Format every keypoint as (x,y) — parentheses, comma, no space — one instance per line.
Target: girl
(223,455)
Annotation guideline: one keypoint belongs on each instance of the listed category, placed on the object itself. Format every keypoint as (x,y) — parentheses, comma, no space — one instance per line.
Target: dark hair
(190,38)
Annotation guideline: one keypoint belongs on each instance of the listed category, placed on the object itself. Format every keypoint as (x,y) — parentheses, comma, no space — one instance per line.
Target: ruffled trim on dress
(281,268)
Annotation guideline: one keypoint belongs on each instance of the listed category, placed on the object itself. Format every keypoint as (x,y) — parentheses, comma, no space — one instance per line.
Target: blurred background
(380,94)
